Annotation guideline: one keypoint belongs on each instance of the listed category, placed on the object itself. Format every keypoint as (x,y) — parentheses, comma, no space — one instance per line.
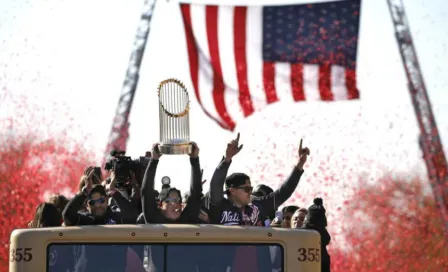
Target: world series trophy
(174,118)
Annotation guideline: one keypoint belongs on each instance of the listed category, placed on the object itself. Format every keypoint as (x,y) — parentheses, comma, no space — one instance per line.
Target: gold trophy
(174,118)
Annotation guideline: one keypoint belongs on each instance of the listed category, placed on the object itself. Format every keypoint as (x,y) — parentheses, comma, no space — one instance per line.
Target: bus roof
(162,233)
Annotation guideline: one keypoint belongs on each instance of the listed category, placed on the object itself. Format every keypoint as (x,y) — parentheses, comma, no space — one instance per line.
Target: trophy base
(176,149)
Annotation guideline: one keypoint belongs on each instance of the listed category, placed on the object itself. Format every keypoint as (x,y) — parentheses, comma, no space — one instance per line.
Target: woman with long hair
(47,215)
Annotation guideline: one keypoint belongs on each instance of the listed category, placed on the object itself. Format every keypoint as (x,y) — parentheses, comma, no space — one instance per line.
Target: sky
(68,58)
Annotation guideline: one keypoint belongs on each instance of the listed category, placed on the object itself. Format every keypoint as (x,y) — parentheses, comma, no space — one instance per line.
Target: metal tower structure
(120,127)
(429,140)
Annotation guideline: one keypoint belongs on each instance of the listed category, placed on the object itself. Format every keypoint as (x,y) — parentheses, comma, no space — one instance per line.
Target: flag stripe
(254,57)
(325,82)
(239,27)
(338,87)
(283,81)
(269,82)
(211,16)
(193,57)
(192,49)
(226,43)
(311,82)
(298,93)
(350,82)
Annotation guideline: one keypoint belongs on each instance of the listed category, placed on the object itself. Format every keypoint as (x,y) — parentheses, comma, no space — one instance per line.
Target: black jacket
(92,258)
(126,214)
(153,214)
(222,211)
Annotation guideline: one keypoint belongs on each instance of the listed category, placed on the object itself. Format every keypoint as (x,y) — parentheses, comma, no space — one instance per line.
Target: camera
(123,165)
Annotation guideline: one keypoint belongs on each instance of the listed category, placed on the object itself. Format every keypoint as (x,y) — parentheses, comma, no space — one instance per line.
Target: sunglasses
(100,200)
(172,201)
(246,189)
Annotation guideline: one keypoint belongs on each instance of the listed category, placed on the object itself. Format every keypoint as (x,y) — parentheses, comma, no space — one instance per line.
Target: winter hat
(316,215)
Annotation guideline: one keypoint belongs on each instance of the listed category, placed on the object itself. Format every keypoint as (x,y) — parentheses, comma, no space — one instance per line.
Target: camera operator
(169,209)
(99,212)
(128,184)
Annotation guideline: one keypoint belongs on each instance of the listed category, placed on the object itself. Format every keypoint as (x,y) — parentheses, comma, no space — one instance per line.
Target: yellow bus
(164,248)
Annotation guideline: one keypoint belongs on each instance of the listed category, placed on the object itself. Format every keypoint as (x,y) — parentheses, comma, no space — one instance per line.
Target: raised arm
(193,206)
(216,191)
(149,205)
(219,176)
(70,214)
(196,173)
(271,202)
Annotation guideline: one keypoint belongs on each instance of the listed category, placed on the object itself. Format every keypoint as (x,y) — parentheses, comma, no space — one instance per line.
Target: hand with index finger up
(233,148)
(304,152)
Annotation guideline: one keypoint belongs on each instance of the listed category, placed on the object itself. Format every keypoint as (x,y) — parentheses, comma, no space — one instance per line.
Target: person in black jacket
(92,258)
(240,208)
(262,190)
(169,209)
(317,220)
(99,212)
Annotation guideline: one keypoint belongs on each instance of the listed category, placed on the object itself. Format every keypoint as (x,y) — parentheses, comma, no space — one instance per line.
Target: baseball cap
(236,180)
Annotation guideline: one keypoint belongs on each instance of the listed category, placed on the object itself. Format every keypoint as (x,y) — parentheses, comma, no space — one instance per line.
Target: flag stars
(311,33)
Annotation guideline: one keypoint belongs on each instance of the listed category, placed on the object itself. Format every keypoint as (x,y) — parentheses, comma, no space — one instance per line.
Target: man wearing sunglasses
(240,207)
(99,212)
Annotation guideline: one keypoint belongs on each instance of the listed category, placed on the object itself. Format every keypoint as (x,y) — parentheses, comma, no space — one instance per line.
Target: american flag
(243,58)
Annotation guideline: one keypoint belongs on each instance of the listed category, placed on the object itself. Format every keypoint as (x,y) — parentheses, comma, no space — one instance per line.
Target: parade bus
(164,248)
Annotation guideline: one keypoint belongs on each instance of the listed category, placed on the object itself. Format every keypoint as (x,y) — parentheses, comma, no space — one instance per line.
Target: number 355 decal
(309,254)
(21,255)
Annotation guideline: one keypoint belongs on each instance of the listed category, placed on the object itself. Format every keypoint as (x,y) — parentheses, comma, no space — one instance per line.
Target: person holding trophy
(174,106)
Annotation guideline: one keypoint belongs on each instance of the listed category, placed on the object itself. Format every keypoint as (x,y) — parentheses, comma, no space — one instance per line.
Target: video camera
(123,166)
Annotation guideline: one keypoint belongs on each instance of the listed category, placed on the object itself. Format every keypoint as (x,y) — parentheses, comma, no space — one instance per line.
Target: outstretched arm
(149,205)
(196,174)
(193,206)
(70,214)
(271,202)
(220,174)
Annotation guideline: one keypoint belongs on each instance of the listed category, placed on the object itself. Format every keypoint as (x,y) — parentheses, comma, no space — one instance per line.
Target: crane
(120,126)
(429,139)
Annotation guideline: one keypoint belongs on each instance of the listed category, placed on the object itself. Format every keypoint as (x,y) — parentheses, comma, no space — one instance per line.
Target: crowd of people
(128,196)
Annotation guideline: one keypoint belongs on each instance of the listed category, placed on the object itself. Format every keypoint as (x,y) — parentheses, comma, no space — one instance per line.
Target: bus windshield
(165,257)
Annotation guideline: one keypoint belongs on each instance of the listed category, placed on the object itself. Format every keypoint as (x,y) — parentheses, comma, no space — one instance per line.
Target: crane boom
(429,139)
(120,126)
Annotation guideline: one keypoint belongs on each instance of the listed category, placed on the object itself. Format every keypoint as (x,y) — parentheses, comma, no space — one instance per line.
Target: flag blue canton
(313,33)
